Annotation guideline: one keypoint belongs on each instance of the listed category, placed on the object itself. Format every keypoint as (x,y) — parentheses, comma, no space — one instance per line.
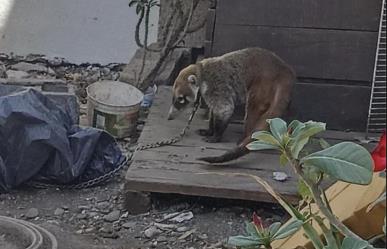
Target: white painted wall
(100,31)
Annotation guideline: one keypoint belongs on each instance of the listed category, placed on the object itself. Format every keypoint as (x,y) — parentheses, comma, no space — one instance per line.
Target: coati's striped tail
(233,154)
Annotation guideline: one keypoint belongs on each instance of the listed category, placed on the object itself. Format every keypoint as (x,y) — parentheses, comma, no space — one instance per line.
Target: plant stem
(175,36)
(316,193)
(138,29)
(148,9)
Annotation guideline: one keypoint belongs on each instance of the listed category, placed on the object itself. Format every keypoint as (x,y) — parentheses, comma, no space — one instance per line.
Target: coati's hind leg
(254,112)
(257,113)
(220,119)
(277,108)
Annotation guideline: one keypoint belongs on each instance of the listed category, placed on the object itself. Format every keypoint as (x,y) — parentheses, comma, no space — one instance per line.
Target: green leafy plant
(260,235)
(347,161)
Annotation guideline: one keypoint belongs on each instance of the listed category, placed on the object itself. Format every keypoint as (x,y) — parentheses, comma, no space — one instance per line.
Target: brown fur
(254,77)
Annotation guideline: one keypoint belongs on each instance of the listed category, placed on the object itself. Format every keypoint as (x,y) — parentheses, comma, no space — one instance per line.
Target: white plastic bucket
(113,106)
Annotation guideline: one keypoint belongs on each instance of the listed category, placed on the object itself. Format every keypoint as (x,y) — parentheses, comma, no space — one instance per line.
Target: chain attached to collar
(177,138)
(114,172)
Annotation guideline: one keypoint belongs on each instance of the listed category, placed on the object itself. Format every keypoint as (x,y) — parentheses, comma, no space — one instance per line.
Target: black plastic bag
(39,141)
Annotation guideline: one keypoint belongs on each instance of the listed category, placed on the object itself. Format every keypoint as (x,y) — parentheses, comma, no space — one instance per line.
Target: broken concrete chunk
(55,86)
(15,74)
(59,212)
(183,217)
(165,226)
(152,232)
(29,67)
(128,225)
(112,216)
(187,234)
(3,71)
(32,213)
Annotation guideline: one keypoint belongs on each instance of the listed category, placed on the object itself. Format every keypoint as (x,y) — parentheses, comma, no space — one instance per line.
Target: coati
(254,76)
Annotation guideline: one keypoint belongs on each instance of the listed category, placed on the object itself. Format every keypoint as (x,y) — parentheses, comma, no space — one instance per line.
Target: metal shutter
(377,111)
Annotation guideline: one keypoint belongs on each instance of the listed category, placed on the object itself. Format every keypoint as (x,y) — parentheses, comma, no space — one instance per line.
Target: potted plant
(346,162)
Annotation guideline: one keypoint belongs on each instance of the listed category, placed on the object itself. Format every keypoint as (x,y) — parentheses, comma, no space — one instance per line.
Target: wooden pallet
(173,169)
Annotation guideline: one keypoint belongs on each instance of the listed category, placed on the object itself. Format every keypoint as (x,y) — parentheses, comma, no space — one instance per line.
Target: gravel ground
(96,218)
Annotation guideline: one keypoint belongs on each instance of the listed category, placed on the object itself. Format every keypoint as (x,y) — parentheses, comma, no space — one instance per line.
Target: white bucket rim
(110,105)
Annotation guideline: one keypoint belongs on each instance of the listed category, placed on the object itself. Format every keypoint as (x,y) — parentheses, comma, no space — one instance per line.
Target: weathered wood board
(330,44)
(314,53)
(174,169)
(322,14)
(342,107)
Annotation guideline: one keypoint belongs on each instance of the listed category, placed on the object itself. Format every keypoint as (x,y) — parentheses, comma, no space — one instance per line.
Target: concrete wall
(100,31)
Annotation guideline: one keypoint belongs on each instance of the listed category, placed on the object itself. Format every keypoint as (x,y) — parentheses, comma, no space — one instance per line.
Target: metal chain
(114,172)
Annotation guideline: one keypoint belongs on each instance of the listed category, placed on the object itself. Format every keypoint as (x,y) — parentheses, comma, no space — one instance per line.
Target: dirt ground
(79,218)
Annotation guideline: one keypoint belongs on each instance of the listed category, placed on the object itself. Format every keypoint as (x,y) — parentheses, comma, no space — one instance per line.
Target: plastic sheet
(40,141)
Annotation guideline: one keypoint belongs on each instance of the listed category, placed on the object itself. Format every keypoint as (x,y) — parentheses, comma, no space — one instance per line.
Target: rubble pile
(33,66)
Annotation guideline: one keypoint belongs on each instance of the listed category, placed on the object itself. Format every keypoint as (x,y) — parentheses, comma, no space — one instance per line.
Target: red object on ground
(379,154)
(258,222)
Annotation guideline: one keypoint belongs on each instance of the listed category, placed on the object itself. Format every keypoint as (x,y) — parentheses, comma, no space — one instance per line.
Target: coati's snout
(179,103)
(185,91)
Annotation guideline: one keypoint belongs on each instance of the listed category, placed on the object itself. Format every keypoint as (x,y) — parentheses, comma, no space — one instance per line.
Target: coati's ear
(192,79)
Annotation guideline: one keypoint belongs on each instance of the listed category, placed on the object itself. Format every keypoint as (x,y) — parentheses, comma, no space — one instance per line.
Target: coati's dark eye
(181,99)
(180,102)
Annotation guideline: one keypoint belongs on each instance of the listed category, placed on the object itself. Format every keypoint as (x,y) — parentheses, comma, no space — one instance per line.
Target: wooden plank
(341,107)
(188,154)
(210,24)
(177,182)
(174,169)
(314,53)
(324,14)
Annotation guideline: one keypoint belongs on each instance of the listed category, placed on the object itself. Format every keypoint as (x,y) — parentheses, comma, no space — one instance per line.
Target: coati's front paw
(204,132)
(212,139)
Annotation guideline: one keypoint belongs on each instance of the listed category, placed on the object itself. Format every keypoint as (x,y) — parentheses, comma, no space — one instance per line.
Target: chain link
(109,175)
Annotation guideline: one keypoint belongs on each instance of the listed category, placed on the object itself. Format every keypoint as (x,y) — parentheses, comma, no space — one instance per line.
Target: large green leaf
(301,136)
(346,161)
(351,243)
(266,137)
(288,229)
(243,241)
(295,127)
(312,128)
(257,145)
(278,128)
(273,229)
(252,230)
